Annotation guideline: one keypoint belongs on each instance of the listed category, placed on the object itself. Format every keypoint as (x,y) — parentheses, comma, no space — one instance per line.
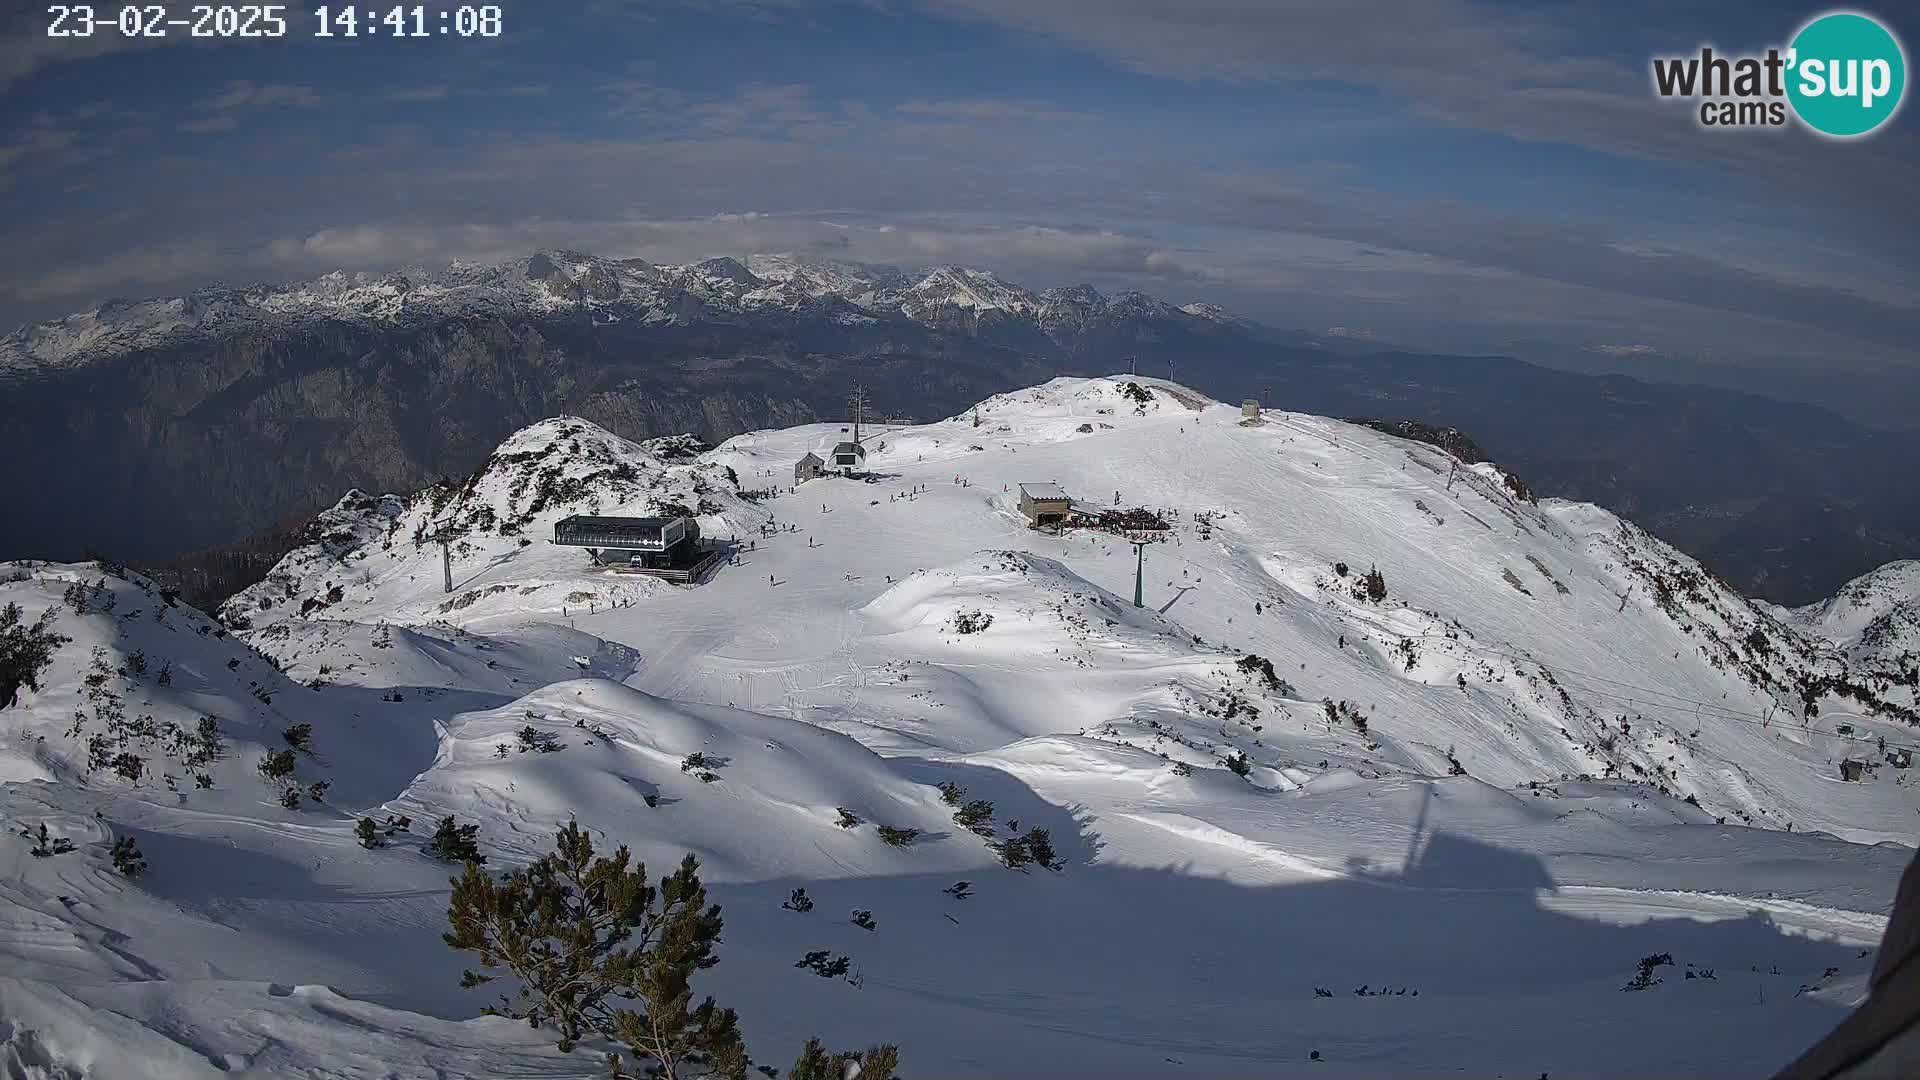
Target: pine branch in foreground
(600,952)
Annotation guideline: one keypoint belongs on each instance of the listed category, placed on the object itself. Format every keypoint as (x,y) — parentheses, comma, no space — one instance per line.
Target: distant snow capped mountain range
(562,282)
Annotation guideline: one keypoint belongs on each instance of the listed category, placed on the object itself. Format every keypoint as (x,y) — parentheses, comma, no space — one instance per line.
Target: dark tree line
(207,578)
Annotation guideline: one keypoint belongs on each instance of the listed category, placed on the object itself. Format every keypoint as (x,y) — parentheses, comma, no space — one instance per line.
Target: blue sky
(1447,174)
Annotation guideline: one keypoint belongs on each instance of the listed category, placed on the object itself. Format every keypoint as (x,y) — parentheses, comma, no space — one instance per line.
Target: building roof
(588,521)
(849,448)
(810,456)
(1045,491)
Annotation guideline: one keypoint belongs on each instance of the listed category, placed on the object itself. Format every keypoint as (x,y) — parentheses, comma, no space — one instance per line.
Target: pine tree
(45,846)
(1033,846)
(277,765)
(817,1063)
(127,858)
(880,1062)
(824,964)
(897,837)
(976,817)
(25,651)
(1376,585)
(455,843)
(586,936)
(537,741)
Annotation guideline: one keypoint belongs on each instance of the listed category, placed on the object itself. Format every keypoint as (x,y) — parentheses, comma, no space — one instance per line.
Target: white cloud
(987,109)
(36,142)
(1524,71)
(419,93)
(208,124)
(135,267)
(1058,255)
(26,47)
(243,94)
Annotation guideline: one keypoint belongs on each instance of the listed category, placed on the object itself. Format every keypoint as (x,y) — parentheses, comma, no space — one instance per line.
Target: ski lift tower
(857,406)
(445,535)
(1139,567)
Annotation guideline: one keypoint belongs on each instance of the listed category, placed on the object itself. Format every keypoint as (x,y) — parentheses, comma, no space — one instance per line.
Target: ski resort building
(656,542)
(808,468)
(1045,504)
(849,456)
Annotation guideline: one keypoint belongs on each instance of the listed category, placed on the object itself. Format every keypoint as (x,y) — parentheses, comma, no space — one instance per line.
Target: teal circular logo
(1847,74)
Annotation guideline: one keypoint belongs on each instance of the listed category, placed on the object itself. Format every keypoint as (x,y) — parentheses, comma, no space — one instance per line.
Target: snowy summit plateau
(1394,770)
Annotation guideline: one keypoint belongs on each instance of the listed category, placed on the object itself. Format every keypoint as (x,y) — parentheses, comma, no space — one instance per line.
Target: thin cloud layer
(1452,174)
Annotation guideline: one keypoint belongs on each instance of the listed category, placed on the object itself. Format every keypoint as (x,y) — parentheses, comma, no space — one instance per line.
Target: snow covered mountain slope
(379,557)
(1875,621)
(1875,618)
(1547,748)
(1528,643)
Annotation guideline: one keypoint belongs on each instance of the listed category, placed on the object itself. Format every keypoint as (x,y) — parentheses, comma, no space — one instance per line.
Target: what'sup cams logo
(1843,75)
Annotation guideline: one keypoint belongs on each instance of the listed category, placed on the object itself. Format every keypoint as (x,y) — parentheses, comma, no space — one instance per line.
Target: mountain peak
(730,269)
(1210,312)
(973,290)
(560,281)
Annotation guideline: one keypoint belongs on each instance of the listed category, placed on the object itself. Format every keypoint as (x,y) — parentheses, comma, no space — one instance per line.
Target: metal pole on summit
(1139,569)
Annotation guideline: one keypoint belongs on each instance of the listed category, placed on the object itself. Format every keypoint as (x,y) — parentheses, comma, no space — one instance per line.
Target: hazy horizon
(1453,177)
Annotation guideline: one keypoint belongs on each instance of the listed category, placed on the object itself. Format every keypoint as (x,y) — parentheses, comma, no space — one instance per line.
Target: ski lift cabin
(631,541)
(849,456)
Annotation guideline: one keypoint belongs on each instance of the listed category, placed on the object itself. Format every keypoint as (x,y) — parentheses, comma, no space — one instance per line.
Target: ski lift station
(651,542)
(1045,504)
